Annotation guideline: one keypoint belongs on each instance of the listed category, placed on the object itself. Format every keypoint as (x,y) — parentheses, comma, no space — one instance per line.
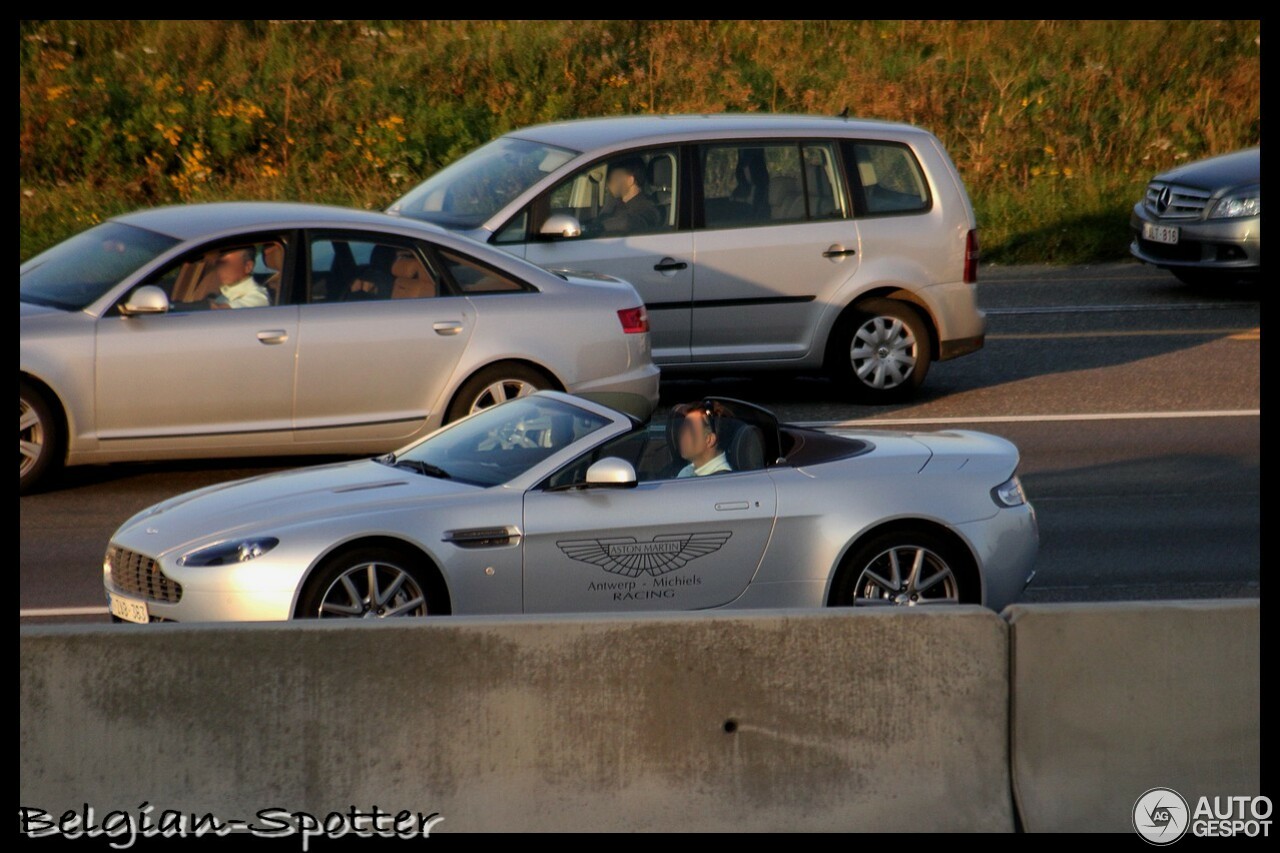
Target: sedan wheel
(371,583)
(881,352)
(496,384)
(39,441)
(500,392)
(906,568)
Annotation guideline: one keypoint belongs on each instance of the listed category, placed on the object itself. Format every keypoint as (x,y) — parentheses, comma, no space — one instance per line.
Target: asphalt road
(1133,399)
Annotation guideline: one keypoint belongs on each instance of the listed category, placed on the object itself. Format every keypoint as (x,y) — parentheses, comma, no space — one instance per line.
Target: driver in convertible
(699,439)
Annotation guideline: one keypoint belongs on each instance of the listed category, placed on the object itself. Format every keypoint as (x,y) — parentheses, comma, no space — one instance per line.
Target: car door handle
(670,265)
(728,506)
(838,251)
(273,336)
(450,327)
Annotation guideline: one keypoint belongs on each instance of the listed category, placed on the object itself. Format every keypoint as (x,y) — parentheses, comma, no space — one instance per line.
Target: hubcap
(373,591)
(501,391)
(30,437)
(883,352)
(908,575)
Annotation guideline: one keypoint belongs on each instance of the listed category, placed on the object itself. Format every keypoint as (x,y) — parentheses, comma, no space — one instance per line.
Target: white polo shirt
(712,466)
(246,293)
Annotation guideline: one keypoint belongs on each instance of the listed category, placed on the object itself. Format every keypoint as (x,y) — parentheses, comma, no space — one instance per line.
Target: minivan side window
(756,183)
(634,192)
(890,178)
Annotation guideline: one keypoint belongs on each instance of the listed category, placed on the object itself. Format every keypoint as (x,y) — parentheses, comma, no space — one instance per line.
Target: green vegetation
(1055,125)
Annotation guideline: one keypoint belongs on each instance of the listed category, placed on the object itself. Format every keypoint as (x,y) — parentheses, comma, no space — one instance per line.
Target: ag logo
(626,556)
(1161,816)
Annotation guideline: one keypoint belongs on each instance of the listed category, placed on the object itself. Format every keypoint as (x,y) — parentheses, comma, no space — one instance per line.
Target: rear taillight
(971,257)
(634,320)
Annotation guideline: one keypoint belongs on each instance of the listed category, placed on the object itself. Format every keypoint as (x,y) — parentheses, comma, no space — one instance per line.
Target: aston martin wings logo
(626,556)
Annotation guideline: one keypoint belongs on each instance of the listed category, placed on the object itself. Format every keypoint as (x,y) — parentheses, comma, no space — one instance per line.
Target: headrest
(407,266)
(660,173)
(273,256)
(745,450)
(867,172)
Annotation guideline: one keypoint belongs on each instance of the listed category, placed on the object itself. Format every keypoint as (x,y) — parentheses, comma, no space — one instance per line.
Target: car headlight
(1009,493)
(231,551)
(1234,206)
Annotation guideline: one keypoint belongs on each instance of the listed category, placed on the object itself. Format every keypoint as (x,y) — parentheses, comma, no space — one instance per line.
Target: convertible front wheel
(366,583)
(906,568)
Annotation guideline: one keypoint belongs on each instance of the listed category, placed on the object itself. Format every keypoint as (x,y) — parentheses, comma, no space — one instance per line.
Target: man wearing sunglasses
(699,439)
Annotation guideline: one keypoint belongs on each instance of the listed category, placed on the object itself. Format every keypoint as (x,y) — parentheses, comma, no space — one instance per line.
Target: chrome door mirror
(561,226)
(611,472)
(147,299)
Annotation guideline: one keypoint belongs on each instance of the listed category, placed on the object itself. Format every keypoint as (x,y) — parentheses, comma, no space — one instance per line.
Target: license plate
(1160,233)
(129,610)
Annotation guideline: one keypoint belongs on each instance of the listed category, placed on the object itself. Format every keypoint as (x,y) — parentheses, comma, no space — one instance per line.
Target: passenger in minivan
(629,210)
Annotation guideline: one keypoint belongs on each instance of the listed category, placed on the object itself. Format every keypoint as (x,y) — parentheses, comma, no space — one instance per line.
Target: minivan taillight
(971,257)
(634,320)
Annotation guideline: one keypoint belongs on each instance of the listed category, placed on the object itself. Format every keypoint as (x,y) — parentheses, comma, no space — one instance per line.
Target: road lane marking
(1031,419)
(1250,335)
(63,611)
(1235,334)
(1108,309)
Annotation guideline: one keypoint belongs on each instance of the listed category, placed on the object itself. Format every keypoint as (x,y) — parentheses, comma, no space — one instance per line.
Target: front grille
(137,574)
(1179,203)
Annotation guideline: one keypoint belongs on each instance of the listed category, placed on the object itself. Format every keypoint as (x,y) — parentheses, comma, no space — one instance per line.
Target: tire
(881,351)
(867,574)
(40,448)
(495,384)
(340,586)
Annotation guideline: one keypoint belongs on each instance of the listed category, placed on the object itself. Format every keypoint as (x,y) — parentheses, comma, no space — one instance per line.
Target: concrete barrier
(876,719)
(1113,699)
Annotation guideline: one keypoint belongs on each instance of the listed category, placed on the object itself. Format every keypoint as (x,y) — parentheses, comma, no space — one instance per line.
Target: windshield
(465,194)
(499,443)
(79,270)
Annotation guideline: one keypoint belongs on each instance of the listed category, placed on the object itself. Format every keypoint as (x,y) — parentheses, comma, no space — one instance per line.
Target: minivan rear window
(890,178)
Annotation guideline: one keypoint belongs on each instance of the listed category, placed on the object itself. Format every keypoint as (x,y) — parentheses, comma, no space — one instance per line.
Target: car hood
(274,501)
(1218,173)
(28,310)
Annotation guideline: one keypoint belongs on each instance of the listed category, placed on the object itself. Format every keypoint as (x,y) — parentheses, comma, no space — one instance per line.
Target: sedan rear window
(79,270)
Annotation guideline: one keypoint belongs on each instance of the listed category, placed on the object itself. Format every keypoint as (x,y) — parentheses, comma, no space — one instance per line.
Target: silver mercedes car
(556,503)
(243,329)
(1202,221)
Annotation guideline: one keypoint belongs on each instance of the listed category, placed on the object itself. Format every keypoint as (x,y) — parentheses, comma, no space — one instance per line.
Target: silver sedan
(268,329)
(556,503)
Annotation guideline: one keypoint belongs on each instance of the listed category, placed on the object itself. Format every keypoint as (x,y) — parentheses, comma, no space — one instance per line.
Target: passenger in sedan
(239,289)
(630,211)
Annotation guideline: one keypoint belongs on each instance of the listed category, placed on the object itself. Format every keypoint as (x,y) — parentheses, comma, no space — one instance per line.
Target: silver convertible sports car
(267,329)
(559,503)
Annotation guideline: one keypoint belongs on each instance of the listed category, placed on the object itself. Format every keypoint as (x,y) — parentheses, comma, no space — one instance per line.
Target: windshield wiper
(422,468)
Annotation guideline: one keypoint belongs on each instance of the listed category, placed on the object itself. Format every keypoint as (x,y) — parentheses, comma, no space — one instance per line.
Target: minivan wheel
(39,439)
(495,384)
(881,351)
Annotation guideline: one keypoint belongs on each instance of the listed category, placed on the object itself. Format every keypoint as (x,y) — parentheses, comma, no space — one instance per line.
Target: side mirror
(147,299)
(611,473)
(561,226)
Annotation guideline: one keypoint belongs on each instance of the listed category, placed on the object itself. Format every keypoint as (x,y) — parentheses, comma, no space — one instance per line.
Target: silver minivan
(757,241)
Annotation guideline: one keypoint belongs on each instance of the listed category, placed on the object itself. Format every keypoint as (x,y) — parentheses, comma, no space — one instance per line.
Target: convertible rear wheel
(368,583)
(495,384)
(39,442)
(905,568)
